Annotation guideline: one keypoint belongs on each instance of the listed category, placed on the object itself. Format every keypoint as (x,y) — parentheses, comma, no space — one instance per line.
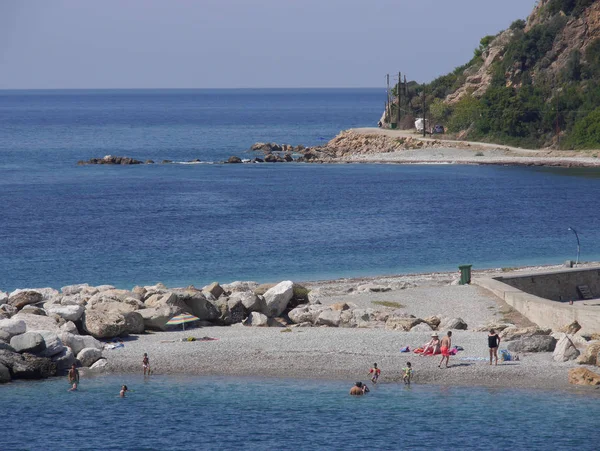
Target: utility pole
(424,121)
(399,96)
(557,123)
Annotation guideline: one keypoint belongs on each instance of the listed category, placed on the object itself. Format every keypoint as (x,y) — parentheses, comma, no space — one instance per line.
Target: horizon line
(186,89)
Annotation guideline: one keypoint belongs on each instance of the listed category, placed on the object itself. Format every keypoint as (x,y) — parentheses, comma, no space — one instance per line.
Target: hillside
(536,84)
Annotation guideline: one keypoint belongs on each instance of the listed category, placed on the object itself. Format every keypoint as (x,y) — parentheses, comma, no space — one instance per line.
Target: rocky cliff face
(577,34)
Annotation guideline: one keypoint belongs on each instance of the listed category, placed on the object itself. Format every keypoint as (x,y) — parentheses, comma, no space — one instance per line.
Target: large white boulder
(54,345)
(256,319)
(47,293)
(102,323)
(330,318)
(63,360)
(250,301)
(278,297)
(89,356)
(79,342)
(67,312)
(156,318)
(100,365)
(74,289)
(13,326)
(38,322)
(31,342)
(565,349)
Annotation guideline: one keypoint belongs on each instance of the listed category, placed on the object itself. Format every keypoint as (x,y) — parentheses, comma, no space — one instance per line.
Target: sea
(191,224)
(202,413)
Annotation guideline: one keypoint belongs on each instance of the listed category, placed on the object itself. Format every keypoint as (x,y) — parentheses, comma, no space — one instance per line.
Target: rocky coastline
(373,145)
(44,331)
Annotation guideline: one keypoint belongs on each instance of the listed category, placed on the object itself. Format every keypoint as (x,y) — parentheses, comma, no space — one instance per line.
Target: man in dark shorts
(493,343)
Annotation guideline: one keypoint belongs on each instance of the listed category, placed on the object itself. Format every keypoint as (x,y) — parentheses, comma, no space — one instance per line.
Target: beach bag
(405,349)
(505,355)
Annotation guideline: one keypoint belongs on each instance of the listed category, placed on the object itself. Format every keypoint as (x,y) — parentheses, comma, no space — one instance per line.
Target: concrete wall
(543,312)
(558,285)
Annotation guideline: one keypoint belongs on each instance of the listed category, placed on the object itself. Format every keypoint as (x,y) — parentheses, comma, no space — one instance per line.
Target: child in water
(146,364)
(123,390)
(407,373)
(375,372)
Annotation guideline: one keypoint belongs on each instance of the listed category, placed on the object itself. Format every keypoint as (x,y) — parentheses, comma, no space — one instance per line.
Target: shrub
(586,132)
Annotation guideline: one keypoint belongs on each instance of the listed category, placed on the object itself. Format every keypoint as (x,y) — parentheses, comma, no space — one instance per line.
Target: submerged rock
(109,159)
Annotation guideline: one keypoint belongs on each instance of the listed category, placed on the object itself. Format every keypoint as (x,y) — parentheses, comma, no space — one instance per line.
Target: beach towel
(505,355)
(429,351)
(405,349)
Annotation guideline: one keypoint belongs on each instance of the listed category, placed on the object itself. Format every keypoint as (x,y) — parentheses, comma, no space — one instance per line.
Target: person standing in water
(407,373)
(359,389)
(493,343)
(374,372)
(445,349)
(123,391)
(73,377)
(146,364)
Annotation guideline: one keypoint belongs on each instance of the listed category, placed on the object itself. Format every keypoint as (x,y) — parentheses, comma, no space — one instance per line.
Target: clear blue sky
(240,43)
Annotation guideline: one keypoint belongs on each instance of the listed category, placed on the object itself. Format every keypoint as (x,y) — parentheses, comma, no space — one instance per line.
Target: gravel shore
(348,353)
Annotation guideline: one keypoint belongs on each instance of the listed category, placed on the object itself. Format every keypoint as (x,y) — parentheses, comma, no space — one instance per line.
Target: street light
(578,244)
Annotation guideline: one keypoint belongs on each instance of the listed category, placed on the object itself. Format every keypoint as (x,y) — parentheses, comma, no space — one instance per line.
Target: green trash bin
(393,125)
(465,274)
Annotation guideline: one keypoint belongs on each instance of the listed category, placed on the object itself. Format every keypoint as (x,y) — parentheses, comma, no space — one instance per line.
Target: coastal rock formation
(38,322)
(12,326)
(583,376)
(536,343)
(155,318)
(256,319)
(565,350)
(402,323)
(78,342)
(109,159)
(571,329)
(277,298)
(89,356)
(27,366)
(31,342)
(329,317)
(4,374)
(67,312)
(104,323)
(452,324)
(22,298)
(590,355)
(53,344)
(63,360)
(515,333)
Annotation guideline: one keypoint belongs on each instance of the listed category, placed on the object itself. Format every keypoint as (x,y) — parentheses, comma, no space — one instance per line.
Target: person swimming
(123,391)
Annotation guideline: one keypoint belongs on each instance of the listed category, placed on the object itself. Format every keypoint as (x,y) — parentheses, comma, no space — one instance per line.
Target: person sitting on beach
(445,349)
(146,364)
(375,372)
(493,344)
(123,390)
(73,377)
(407,373)
(433,346)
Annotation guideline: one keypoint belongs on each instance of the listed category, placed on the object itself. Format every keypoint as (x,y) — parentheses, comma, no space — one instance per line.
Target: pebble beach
(348,353)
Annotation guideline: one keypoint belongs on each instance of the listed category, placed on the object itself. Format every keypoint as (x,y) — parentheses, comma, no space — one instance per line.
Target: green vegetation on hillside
(528,99)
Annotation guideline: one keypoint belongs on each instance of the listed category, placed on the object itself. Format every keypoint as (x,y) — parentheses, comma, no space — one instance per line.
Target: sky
(77,44)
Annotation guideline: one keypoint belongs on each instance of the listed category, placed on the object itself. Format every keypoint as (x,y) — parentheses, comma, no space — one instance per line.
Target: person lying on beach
(73,375)
(375,372)
(359,389)
(123,390)
(433,346)
(407,373)
(146,364)
(445,349)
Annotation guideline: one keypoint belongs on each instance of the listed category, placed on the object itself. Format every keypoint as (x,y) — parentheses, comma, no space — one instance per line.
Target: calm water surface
(231,414)
(193,224)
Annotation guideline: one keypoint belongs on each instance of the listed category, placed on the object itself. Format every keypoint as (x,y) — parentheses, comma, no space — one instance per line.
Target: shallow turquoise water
(232,413)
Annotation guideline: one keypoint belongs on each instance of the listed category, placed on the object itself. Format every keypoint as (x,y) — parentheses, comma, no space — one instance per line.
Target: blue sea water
(182,413)
(193,224)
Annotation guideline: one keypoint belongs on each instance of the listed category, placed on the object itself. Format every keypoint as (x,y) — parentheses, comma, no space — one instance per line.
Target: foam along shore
(328,329)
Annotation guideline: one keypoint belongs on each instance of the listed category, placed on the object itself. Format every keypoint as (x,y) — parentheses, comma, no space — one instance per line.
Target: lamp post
(578,244)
